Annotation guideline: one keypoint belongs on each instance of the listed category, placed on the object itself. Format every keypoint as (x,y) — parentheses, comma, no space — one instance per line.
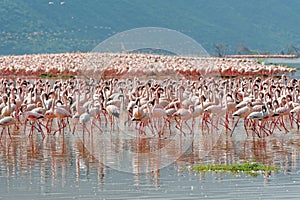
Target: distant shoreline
(263,56)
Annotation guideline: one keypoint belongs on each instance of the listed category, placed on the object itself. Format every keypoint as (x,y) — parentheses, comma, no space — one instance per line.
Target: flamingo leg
(1,133)
(48,125)
(31,130)
(59,127)
(41,130)
(68,122)
(275,125)
(179,127)
(191,130)
(246,121)
(85,127)
(25,124)
(8,131)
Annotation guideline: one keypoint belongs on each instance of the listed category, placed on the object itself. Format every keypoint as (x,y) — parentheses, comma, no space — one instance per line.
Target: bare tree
(292,50)
(241,49)
(221,49)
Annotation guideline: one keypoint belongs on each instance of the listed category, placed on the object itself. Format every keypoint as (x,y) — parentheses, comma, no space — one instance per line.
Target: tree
(292,50)
(241,49)
(221,49)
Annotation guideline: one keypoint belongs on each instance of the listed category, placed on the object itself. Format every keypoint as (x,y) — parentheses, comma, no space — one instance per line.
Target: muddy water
(91,166)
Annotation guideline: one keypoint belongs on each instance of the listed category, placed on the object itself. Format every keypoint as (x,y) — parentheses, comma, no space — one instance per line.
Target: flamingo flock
(157,107)
(109,65)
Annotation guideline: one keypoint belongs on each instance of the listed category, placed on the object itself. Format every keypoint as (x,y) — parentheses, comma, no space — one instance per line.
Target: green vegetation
(294,67)
(36,26)
(251,168)
(47,76)
(67,76)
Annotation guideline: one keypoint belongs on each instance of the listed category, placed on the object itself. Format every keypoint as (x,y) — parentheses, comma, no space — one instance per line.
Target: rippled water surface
(67,166)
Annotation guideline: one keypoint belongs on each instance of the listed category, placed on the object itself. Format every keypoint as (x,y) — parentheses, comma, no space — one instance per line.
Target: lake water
(293,62)
(113,165)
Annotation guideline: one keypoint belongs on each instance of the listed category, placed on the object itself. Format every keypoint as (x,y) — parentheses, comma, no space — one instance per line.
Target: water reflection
(66,161)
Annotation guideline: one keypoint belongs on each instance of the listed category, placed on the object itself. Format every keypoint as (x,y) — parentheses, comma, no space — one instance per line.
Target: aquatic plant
(250,168)
(56,76)
(47,76)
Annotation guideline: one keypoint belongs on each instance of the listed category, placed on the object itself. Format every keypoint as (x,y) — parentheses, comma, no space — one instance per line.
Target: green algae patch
(248,168)
(67,76)
(47,76)
(55,76)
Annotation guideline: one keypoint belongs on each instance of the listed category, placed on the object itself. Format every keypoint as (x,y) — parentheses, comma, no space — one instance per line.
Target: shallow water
(114,165)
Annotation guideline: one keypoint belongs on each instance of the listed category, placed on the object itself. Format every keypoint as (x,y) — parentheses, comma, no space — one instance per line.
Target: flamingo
(7,110)
(261,115)
(28,101)
(84,119)
(296,110)
(216,109)
(6,121)
(39,109)
(282,112)
(113,111)
(4,102)
(94,112)
(140,115)
(242,113)
(157,115)
(61,114)
(33,117)
(184,115)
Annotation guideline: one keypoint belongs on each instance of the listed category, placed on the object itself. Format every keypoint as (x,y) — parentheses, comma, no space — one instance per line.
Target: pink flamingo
(140,115)
(259,116)
(242,113)
(33,117)
(6,121)
(183,116)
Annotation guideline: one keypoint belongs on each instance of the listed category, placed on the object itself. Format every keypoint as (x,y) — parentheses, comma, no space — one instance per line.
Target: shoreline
(263,56)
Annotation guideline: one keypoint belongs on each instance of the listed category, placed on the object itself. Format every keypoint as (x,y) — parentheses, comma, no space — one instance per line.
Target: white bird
(113,110)
(259,116)
(138,114)
(84,118)
(33,117)
(296,110)
(9,108)
(6,122)
(141,115)
(184,115)
(242,113)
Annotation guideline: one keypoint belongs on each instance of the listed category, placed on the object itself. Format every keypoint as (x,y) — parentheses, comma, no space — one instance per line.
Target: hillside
(41,26)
